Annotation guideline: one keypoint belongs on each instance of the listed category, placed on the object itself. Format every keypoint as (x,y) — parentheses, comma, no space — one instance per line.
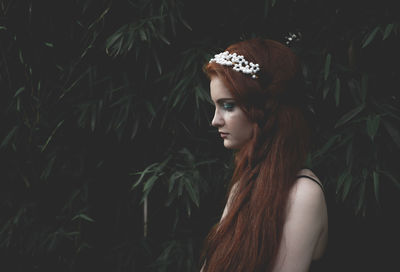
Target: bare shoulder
(307,206)
(305,230)
(307,189)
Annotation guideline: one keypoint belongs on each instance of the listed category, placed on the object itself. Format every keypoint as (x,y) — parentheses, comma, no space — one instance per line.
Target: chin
(229,145)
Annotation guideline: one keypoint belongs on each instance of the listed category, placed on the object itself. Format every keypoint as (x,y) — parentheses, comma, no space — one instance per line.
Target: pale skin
(305,231)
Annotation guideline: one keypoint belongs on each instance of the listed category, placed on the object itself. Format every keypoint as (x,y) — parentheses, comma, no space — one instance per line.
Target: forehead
(218,89)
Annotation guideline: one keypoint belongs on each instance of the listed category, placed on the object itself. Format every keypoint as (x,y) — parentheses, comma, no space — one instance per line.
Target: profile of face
(232,123)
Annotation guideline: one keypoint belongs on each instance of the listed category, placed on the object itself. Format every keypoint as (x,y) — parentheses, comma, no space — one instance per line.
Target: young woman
(275,218)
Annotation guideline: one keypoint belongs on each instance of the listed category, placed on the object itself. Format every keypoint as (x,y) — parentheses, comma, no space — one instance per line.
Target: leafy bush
(108,159)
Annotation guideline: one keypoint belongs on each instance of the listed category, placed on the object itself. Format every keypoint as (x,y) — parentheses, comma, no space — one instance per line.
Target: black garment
(313,179)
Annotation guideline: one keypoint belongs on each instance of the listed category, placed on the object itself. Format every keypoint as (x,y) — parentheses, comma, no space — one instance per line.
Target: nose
(217,121)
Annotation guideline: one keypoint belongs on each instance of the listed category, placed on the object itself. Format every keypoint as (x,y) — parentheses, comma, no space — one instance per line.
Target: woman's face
(232,123)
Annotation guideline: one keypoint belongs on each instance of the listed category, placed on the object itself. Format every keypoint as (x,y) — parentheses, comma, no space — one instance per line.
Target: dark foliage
(108,161)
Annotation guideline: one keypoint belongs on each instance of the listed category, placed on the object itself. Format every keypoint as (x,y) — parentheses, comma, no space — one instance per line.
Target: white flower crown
(239,63)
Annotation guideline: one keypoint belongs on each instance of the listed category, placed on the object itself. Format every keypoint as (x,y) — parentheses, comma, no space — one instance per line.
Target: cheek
(248,131)
(244,128)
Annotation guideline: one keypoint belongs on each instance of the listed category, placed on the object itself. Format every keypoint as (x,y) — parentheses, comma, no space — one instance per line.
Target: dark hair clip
(291,38)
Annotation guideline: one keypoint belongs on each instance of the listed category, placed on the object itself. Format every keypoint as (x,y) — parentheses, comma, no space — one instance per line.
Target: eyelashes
(228,106)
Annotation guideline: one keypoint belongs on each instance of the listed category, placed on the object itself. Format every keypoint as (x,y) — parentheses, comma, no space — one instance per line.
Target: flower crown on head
(239,63)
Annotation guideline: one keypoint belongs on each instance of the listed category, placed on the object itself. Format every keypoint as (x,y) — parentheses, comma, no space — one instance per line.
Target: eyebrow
(221,100)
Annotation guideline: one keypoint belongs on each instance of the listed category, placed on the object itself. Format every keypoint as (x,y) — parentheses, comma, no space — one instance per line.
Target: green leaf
(157,61)
(346,187)
(21,59)
(341,181)
(142,34)
(327,65)
(388,30)
(20,90)
(93,118)
(337,91)
(49,44)
(325,90)
(51,135)
(375,176)
(390,110)
(326,146)
(83,216)
(350,115)
(183,21)
(371,36)
(173,178)
(194,194)
(373,125)
(150,108)
(395,181)
(361,199)
(148,185)
(393,132)
(8,137)
(266,8)
(46,172)
(148,169)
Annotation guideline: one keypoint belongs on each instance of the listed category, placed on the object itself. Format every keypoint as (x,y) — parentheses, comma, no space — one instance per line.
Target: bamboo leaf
(373,125)
(148,185)
(157,62)
(21,59)
(395,181)
(326,146)
(51,135)
(148,169)
(361,199)
(93,118)
(20,90)
(340,182)
(183,21)
(390,110)
(83,216)
(346,187)
(388,30)
(194,194)
(371,36)
(8,137)
(46,172)
(325,90)
(393,132)
(173,178)
(350,115)
(266,8)
(337,91)
(327,65)
(142,34)
(375,176)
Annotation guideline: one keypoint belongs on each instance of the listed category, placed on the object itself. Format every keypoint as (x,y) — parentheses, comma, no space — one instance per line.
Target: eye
(229,106)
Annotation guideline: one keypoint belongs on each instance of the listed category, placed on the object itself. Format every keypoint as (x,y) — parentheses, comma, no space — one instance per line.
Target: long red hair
(249,236)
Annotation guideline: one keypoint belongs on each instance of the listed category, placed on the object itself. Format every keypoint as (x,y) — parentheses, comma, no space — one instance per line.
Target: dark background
(104,106)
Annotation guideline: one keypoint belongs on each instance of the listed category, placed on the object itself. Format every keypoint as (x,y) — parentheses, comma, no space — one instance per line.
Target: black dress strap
(313,179)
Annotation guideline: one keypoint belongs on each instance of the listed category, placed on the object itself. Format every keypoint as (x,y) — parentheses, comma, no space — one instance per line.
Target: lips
(223,134)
